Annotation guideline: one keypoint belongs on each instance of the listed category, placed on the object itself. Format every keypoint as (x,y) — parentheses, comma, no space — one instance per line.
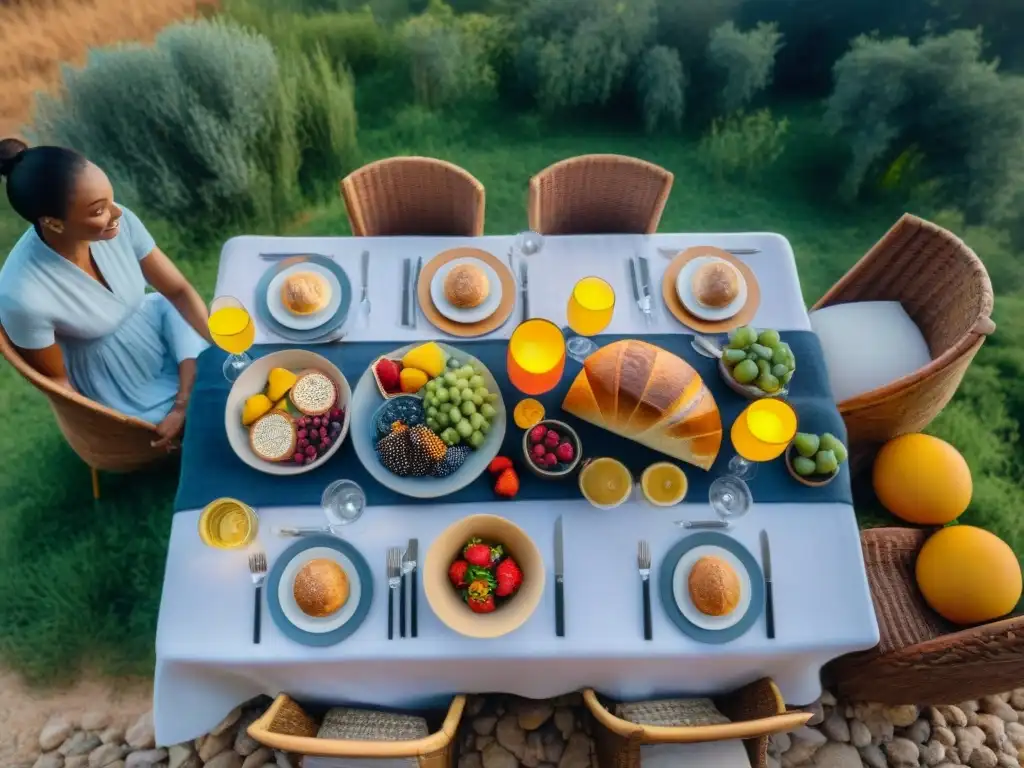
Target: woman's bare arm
(161,273)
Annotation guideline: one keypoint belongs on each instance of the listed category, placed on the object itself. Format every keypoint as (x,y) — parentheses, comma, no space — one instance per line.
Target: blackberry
(453,459)
(395,453)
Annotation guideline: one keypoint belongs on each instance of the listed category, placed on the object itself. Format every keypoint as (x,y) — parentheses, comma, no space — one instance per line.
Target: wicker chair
(288,727)
(593,194)
(756,711)
(103,438)
(921,658)
(413,196)
(944,287)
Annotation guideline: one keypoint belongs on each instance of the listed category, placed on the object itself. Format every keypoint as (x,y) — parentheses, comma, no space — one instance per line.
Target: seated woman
(73,292)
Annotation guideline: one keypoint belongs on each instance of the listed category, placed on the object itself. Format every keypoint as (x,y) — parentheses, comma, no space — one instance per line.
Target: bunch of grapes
(760,359)
(817,454)
(458,405)
(316,434)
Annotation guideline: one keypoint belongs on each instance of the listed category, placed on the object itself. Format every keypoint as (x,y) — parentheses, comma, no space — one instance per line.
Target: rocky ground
(508,732)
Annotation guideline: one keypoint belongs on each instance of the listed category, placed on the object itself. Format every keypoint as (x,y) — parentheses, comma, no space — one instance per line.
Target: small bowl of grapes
(814,460)
(757,364)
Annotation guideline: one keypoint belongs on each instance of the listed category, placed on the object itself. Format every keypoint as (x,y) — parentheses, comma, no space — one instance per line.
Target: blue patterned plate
(310,630)
(713,630)
(330,324)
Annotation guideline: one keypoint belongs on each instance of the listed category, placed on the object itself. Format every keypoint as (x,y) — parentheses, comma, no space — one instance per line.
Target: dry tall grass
(37,36)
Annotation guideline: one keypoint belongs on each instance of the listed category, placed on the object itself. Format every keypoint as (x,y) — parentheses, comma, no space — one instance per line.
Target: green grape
(492,397)
(485,427)
(467,371)
(454,396)
(745,372)
(768,338)
(829,441)
(752,356)
(450,378)
(466,394)
(763,367)
(450,436)
(480,392)
(444,407)
(477,400)
(432,412)
(747,335)
(476,439)
(452,363)
(431,385)
(825,462)
(429,401)
(455,416)
(442,396)
(779,370)
(432,424)
(468,409)
(806,444)
(443,420)
(840,451)
(803,466)
(765,353)
(779,356)
(733,356)
(476,380)
(487,411)
(787,377)
(736,339)
(464,428)
(476,420)
(768,383)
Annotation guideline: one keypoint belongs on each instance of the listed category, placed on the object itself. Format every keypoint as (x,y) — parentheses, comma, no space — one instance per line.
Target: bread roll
(304,293)
(716,284)
(466,286)
(714,586)
(321,587)
(649,395)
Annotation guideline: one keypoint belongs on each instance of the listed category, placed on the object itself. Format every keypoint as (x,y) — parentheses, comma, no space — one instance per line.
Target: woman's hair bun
(11,151)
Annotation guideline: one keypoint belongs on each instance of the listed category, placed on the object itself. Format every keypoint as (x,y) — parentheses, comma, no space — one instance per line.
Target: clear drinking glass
(529,242)
(343,502)
(730,497)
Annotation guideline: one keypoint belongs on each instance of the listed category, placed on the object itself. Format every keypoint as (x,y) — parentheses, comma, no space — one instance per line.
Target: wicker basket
(755,712)
(288,727)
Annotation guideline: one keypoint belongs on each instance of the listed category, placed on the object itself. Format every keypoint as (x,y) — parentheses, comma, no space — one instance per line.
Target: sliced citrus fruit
(528,412)
(605,483)
(664,484)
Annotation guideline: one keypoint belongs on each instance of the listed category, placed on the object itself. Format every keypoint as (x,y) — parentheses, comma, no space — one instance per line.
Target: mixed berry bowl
(551,449)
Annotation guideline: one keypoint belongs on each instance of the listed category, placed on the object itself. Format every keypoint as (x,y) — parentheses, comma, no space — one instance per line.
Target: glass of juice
(605,482)
(590,310)
(761,433)
(534,362)
(233,330)
(228,524)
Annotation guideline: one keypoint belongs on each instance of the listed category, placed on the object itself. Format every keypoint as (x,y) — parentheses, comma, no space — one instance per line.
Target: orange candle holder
(536,356)
(764,429)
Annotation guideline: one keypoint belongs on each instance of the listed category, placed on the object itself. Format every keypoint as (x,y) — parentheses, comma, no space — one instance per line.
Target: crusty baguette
(649,395)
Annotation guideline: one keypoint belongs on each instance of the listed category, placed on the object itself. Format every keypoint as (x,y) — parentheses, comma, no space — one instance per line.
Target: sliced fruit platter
(432,440)
(288,412)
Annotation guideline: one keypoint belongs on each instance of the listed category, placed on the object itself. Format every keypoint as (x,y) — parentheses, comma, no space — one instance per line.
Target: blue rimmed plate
(310,630)
(675,597)
(330,323)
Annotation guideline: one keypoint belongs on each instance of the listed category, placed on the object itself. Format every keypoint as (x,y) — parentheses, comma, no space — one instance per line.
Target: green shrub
(742,62)
(660,87)
(350,39)
(742,145)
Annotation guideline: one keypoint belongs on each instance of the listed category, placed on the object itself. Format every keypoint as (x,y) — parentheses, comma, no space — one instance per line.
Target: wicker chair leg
(95,483)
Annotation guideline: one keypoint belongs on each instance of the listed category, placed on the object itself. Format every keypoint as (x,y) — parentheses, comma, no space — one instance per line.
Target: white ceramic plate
(681,589)
(684,290)
(367,398)
(254,380)
(302,322)
(286,593)
(476,314)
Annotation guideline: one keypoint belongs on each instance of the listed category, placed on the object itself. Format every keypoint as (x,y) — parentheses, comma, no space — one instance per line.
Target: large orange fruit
(968,575)
(922,479)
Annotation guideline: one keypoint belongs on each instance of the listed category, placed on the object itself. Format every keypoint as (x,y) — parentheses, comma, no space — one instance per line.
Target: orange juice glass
(536,356)
(228,524)
(232,329)
(761,433)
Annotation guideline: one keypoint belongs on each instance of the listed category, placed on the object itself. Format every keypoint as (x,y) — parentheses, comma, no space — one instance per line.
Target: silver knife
(671,253)
(645,288)
(274,256)
(559,580)
(634,283)
(364,268)
(416,294)
(406,277)
(524,284)
(769,599)
(702,524)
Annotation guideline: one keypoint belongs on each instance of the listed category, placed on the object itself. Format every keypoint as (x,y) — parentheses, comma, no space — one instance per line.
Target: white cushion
(719,754)
(867,345)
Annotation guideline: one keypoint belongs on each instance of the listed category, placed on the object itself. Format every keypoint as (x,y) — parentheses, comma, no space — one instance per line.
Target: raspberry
(310,450)
(298,458)
(301,434)
(323,432)
(565,452)
(550,460)
(538,451)
(301,445)
(551,439)
(537,433)
(325,443)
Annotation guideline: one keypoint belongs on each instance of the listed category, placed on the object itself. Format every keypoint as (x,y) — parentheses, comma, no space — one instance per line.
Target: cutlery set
(401,569)
(410,292)
(258,571)
(524,286)
(640,281)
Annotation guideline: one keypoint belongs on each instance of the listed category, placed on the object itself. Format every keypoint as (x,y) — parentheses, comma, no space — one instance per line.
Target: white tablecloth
(207,663)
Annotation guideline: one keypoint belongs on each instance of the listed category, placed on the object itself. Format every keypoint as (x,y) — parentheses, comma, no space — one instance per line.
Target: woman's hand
(170,429)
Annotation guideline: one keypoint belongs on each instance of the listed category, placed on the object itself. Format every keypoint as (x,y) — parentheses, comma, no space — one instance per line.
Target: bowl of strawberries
(483,576)
(551,449)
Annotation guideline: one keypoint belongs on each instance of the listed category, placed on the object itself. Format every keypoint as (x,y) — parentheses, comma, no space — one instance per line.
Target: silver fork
(258,571)
(408,567)
(364,268)
(394,580)
(643,562)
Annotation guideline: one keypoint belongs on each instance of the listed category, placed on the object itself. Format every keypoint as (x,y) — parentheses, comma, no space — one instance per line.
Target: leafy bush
(742,62)
(660,87)
(940,99)
(743,145)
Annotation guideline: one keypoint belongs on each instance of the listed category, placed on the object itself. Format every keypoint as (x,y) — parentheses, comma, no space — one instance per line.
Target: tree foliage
(661,88)
(742,62)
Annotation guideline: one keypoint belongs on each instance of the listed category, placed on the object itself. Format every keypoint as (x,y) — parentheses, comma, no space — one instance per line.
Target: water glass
(343,502)
(730,497)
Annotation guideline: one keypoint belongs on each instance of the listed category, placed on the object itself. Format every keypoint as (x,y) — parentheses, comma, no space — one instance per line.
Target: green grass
(82,581)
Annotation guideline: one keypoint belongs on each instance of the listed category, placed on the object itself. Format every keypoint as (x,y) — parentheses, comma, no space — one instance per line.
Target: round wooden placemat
(675,306)
(488,324)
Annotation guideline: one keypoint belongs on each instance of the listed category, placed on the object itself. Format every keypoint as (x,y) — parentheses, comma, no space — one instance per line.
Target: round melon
(968,575)
(922,479)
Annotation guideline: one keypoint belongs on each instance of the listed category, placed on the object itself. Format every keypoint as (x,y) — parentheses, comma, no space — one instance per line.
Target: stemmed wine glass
(761,433)
(529,242)
(232,329)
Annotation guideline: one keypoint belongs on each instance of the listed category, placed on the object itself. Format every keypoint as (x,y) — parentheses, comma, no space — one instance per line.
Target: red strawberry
(389,373)
(486,605)
(477,553)
(565,452)
(499,464)
(508,484)
(537,433)
(457,573)
(509,577)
